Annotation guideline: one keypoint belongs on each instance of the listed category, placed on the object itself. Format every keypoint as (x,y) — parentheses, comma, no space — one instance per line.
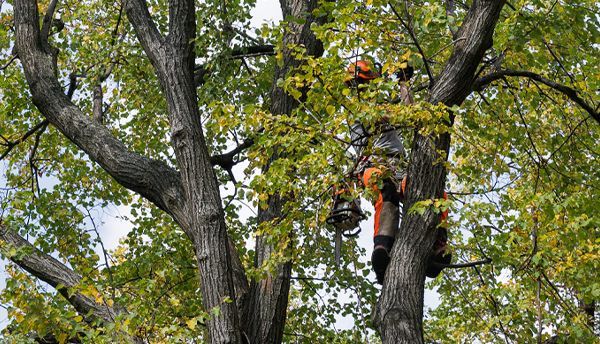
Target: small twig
(447,46)
(469,303)
(495,305)
(299,278)
(246,35)
(539,309)
(493,189)
(12,59)
(408,27)
(235,190)
(104,252)
(35,184)
(116,30)
(560,64)
(11,145)
(568,137)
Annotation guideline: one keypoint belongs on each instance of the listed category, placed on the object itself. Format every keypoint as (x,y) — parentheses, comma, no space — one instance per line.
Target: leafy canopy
(524,170)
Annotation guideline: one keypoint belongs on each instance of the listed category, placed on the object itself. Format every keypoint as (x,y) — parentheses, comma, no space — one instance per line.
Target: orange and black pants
(387,204)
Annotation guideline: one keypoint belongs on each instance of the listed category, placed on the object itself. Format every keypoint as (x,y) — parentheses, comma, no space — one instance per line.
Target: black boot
(381,255)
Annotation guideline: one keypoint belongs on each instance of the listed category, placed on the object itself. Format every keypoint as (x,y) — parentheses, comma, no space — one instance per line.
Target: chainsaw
(345,216)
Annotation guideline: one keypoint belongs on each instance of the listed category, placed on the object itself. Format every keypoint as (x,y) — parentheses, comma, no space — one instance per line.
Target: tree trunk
(265,314)
(399,313)
(191,196)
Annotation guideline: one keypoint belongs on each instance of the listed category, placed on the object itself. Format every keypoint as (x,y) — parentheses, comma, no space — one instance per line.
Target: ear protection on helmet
(362,71)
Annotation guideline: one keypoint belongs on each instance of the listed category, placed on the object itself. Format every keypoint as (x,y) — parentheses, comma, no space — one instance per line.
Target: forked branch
(152,179)
(12,144)
(571,93)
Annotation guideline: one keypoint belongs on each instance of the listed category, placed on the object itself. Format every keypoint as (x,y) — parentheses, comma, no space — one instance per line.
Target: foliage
(524,170)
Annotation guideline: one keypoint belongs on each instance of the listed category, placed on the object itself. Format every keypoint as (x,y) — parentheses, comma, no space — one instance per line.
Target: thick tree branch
(408,26)
(399,312)
(152,179)
(226,160)
(203,220)
(192,196)
(571,93)
(265,312)
(474,37)
(148,35)
(47,23)
(98,95)
(56,274)
(181,23)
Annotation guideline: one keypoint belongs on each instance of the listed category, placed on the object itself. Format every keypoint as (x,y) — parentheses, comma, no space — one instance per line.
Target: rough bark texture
(56,274)
(399,312)
(265,313)
(192,196)
(152,179)
(173,60)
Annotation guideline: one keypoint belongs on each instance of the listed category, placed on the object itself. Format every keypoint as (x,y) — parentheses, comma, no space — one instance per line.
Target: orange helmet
(362,72)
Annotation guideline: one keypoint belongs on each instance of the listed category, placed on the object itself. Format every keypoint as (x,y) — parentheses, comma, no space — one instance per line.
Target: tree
(169,91)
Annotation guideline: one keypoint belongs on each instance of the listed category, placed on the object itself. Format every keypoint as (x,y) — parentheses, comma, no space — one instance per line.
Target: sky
(112,227)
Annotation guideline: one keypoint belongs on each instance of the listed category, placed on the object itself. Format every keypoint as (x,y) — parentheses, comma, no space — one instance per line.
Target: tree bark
(173,59)
(399,312)
(59,276)
(192,196)
(265,313)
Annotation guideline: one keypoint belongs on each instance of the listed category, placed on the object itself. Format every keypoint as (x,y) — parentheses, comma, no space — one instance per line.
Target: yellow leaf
(78,318)
(406,56)
(192,323)
(174,301)
(62,338)
(330,109)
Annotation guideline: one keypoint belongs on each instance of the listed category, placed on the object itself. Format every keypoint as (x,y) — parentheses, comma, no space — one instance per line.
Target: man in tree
(381,166)
(518,108)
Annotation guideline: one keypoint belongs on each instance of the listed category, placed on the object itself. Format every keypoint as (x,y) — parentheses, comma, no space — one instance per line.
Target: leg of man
(387,217)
